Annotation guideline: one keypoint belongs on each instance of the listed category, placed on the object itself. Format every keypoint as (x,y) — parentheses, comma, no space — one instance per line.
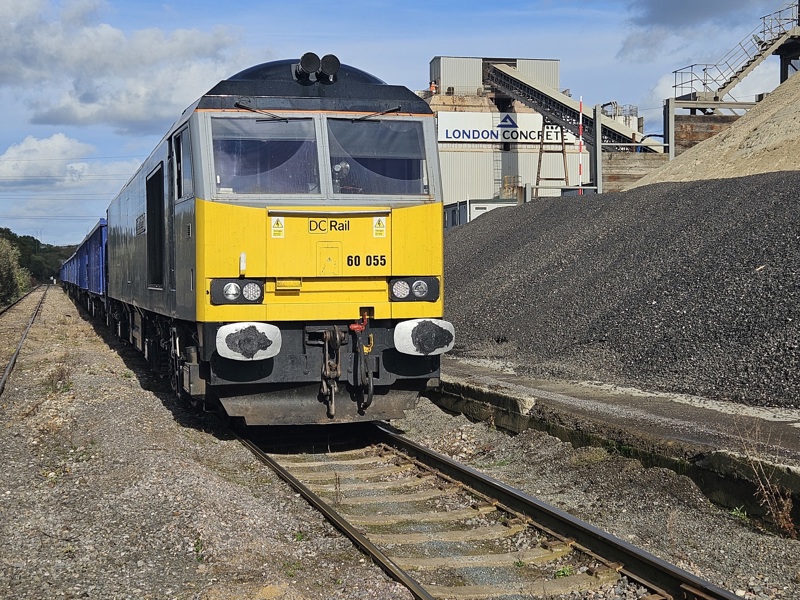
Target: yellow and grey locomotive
(280,251)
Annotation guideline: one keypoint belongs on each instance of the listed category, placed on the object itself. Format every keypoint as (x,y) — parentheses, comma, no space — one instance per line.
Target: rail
(13,361)
(637,564)
(360,540)
(663,579)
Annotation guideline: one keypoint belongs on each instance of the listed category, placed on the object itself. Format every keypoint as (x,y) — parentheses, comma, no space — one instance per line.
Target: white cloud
(54,188)
(98,74)
(61,67)
(37,162)
(59,164)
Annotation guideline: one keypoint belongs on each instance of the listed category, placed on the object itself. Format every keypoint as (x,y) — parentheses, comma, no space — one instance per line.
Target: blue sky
(89,86)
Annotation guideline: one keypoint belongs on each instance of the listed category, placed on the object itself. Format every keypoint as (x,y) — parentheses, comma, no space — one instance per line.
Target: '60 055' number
(370,260)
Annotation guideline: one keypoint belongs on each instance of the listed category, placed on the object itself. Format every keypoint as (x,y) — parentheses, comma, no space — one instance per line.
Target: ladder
(551,148)
(497,158)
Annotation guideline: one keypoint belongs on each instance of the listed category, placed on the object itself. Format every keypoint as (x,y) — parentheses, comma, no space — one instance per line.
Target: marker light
(251,291)
(401,289)
(236,291)
(414,289)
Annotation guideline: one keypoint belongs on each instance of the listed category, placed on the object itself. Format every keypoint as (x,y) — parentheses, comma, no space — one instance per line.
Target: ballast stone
(683,287)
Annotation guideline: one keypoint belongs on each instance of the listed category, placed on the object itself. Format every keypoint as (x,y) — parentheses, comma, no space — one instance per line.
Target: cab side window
(184,187)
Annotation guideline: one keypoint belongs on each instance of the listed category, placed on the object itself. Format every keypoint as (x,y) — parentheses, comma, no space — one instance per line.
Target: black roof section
(284,84)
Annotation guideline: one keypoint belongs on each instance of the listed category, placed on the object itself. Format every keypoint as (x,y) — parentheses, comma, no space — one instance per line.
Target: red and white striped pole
(580,147)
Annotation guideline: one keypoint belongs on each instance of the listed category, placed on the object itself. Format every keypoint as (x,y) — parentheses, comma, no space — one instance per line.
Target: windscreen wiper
(272,116)
(378,114)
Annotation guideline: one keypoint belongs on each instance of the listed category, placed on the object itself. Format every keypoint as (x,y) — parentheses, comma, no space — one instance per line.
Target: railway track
(15,323)
(445,530)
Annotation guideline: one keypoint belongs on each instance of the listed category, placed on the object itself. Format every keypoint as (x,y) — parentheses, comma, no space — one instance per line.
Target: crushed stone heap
(764,140)
(685,287)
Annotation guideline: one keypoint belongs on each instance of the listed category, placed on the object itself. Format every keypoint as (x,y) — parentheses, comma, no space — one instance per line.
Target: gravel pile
(684,287)
(764,140)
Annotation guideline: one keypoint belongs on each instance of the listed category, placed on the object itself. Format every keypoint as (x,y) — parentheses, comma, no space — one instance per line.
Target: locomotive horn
(309,63)
(329,65)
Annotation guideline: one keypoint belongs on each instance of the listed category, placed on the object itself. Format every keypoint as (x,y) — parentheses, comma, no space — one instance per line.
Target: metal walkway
(564,111)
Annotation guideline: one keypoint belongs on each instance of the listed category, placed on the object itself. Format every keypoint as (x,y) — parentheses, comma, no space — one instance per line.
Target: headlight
(236,291)
(231,291)
(411,289)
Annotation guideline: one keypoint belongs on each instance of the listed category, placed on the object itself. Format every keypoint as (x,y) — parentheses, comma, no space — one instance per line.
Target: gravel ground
(679,287)
(111,490)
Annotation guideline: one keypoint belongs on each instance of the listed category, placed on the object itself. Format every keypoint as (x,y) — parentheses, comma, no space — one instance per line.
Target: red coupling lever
(360,327)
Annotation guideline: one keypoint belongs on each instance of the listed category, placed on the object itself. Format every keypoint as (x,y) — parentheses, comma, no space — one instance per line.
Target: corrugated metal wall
(466,174)
(471,174)
(463,75)
(435,68)
(545,71)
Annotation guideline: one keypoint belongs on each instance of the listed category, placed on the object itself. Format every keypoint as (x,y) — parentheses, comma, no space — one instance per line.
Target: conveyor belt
(565,111)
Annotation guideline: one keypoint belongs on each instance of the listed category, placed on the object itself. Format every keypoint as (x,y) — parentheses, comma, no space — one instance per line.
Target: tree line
(25,262)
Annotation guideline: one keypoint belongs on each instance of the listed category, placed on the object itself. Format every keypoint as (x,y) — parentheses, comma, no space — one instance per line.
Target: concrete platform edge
(727,478)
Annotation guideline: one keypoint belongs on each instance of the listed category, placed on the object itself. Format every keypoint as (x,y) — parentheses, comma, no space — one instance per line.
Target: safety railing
(713,81)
